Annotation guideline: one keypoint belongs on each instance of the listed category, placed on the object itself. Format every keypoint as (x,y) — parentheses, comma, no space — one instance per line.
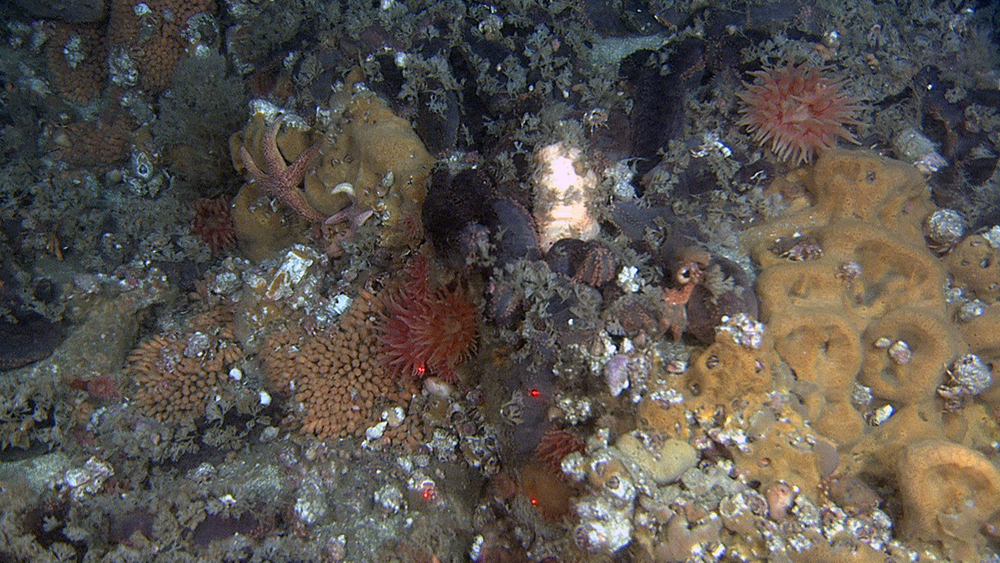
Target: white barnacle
(388,180)
(900,352)
(880,415)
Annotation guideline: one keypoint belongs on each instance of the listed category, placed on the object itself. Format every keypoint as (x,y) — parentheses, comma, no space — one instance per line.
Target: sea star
(353,216)
(281,180)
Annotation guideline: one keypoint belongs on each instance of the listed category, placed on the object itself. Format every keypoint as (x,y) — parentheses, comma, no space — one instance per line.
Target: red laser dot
(534,501)
(535,392)
(421,369)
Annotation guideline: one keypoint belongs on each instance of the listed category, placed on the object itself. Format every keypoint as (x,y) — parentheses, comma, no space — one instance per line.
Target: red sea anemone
(427,332)
(555,445)
(799,110)
(213,222)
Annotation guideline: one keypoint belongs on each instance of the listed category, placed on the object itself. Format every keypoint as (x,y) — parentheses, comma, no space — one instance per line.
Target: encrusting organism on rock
(427,331)
(555,445)
(150,38)
(99,144)
(141,43)
(213,223)
(974,263)
(948,493)
(77,80)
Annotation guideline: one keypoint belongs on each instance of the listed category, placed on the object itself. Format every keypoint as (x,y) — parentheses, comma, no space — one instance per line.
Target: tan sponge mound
(857,307)
(369,161)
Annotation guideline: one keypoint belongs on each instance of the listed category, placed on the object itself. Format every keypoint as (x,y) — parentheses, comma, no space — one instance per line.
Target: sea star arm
(281,180)
(298,168)
(256,173)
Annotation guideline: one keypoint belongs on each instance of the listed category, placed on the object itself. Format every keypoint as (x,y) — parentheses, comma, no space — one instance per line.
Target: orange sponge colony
(337,376)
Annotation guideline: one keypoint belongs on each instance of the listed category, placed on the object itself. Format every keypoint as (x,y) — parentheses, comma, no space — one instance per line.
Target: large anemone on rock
(427,331)
(798,109)
(564,187)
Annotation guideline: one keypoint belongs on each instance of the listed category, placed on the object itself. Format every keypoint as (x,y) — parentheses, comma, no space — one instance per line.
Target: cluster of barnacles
(968,376)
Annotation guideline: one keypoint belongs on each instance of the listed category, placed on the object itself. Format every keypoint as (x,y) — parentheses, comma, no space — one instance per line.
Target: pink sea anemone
(424,331)
(798,109)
